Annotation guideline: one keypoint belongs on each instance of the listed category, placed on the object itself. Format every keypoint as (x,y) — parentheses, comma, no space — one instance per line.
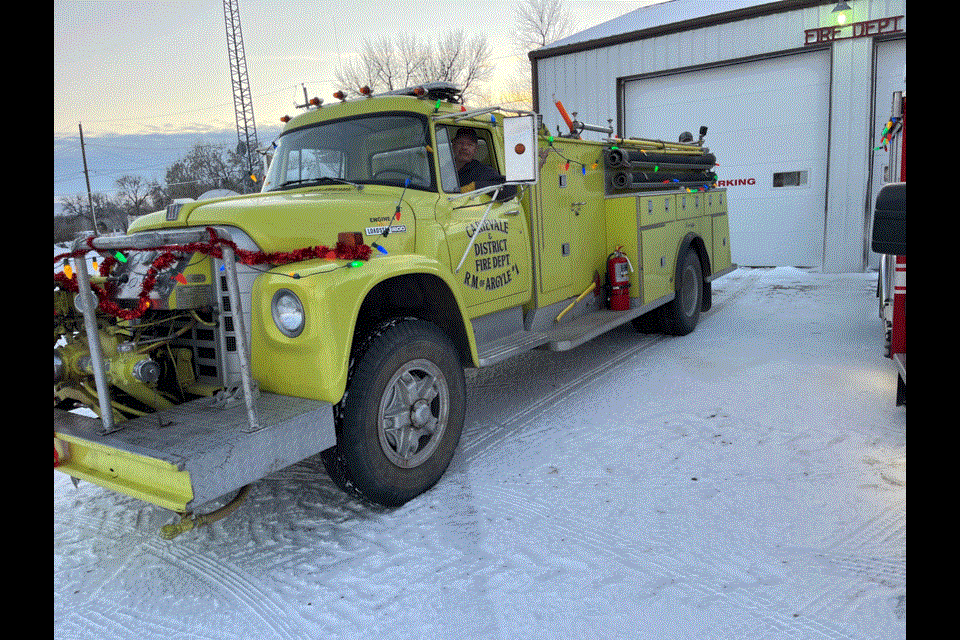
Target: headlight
(287,313)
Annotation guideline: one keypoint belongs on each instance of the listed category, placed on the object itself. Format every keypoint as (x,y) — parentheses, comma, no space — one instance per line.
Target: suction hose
(171,531)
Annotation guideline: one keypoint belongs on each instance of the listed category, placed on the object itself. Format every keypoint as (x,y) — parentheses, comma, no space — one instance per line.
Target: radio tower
(242,101)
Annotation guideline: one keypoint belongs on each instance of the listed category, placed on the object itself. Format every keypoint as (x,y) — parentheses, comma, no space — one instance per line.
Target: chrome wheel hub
(413,413)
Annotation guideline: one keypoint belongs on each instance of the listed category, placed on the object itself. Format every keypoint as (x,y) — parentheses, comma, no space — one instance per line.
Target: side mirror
(520,148)
(889,233)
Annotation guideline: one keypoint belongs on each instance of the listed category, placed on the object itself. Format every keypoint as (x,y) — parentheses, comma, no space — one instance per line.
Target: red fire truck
(889,238)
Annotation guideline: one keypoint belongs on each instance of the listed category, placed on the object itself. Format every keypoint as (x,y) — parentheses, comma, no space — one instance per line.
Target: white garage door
(768,124)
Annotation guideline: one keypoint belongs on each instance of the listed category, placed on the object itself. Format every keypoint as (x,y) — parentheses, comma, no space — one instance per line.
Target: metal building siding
(668,52)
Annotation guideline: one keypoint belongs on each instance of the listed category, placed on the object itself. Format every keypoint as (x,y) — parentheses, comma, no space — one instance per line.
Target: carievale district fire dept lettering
(490,255)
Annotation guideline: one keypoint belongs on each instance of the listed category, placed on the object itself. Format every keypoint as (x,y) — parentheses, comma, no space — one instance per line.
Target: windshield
(380,149)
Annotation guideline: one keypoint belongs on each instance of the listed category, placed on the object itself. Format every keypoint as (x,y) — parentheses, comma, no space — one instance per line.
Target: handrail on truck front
(148,240)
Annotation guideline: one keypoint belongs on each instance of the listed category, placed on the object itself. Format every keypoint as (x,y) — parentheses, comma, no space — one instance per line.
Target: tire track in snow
(763,614)
(860,554)
(248,592)
(890,525)
(232,582)
(479,440)
(512,426)
(121,548)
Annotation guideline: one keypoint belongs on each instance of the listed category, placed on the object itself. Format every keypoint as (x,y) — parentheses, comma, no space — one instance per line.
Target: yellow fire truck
(334,312)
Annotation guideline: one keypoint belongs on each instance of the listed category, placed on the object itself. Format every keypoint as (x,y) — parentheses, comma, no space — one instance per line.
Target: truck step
(565,335)
(507,347)
(573,333)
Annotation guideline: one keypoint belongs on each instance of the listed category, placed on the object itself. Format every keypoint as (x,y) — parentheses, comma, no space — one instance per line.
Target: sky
(123,67)
(149,80)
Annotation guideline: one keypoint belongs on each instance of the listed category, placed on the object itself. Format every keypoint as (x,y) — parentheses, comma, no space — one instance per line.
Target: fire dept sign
(863,29)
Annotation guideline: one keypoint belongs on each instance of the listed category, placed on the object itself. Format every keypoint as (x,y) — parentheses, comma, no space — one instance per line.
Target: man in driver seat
(472,173)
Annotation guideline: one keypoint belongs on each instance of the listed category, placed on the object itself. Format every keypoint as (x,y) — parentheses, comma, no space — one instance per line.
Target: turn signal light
(350,238)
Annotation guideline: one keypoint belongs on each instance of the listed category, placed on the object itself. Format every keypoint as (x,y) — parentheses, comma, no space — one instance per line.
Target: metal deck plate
(216,445)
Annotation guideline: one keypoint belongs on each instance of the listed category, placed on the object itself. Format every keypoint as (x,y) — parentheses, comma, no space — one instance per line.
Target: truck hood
(288,220)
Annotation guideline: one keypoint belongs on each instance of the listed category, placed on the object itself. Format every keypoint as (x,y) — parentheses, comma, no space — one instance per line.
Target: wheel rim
(688,291)
(413,413)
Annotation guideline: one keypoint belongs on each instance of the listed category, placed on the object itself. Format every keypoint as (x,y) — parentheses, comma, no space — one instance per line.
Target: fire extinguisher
(618,279)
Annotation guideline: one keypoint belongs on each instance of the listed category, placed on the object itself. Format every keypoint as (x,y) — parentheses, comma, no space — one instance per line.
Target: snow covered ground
(747,481)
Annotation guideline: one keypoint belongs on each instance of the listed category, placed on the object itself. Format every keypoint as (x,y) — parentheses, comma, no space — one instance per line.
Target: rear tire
(402,414)
(682,314)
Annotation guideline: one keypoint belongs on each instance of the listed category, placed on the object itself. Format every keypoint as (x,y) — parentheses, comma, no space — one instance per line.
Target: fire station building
(795,95)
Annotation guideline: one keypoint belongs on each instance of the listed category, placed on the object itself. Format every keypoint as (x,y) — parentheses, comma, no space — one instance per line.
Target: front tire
(402,414)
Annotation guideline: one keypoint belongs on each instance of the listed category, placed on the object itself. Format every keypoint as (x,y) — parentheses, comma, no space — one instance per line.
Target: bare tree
(537,24)
(541,22)
(387,64)
(204,168)
(460,60)
(384,64)
(76,214)
(135,194)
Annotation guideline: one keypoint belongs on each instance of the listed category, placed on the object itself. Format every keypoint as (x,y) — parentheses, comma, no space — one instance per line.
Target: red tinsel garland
(214,248)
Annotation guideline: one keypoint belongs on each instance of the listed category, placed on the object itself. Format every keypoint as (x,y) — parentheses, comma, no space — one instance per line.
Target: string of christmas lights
(67,280)
(887,134)
(567,161)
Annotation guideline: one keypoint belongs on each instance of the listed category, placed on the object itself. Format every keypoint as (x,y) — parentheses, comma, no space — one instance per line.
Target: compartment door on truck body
(567,209)
(495,274)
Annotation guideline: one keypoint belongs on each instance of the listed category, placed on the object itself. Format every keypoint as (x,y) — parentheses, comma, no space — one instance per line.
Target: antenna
(242,101)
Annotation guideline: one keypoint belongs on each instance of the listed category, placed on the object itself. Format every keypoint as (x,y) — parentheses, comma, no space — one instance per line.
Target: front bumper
(184,457)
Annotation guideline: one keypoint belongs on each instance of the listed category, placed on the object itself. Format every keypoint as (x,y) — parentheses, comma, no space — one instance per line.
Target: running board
(505,348)
(565,335)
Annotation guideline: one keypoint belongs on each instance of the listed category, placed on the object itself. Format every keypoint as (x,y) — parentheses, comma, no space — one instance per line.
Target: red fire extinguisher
(618,278)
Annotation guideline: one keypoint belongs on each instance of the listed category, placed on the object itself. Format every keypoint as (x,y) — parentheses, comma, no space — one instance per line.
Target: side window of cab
(449,182)
(448,171)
